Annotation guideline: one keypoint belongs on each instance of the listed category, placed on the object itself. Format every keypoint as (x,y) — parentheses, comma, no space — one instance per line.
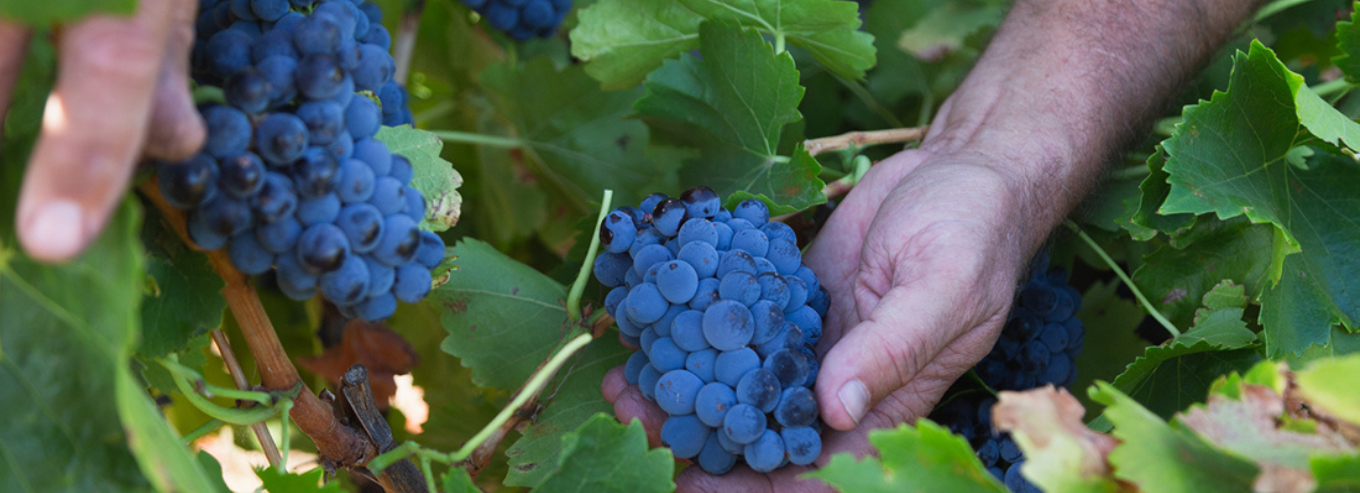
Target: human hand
(921,261)
(122,90)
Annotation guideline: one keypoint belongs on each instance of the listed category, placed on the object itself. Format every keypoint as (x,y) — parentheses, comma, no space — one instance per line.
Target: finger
(13,45)
(742,478)
(93,126)
(631,405)
(177,130)
(613,385)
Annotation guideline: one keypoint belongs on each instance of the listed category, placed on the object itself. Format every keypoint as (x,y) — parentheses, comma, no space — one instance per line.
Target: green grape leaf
(1330,385)
(1230,157)
(1175,280)
(52,330)
(157,377)
(1061,453)
(603,456)
(503,317)
(1141,217)
(1336,474)
(183,297)
(1157,456)
(1170,377)
(1112,340)
(45,13)
(276,481)
(572,399)
(734,104)
(1220,321)
(945,28)
(458,481)
(624,40)
(577,137)
(925,457)
(1348,40)
(432,175)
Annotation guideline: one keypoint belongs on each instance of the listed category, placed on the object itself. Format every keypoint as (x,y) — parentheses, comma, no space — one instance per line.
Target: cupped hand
(921,260)
(122,91)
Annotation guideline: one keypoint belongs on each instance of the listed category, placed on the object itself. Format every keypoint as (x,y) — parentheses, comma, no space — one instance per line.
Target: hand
(921,261)
(122,90)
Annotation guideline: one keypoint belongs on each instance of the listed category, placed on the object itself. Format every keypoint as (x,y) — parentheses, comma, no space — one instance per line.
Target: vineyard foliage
(1237,218)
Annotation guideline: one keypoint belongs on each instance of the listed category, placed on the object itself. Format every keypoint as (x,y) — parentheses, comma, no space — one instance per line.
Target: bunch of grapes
(1037,347)
(727,317)
(290,177)
(522,19)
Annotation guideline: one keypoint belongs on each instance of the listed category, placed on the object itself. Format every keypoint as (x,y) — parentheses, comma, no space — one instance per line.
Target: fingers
(176,131)
(93,127)
(613,385)
(743,479)
(631,405)
(13,45)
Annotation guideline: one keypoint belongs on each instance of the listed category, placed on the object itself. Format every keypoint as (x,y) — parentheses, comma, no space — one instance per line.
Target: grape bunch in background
(727,316)
(1037,347)
(522,19)
(290,177)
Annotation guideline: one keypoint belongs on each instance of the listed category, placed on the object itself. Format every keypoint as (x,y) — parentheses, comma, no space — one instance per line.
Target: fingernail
(56,230)
(855,397)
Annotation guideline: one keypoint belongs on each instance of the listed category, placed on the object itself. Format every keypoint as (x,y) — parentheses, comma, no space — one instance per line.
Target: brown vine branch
(842,141)
(261,430)
(336,443)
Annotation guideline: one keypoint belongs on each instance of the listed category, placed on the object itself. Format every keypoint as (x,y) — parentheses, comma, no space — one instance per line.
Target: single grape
(698,230)
(725,233)
(734,261)
(775,289)
(226,215)
(202,234)
(803,445)
(665,355)
(241,175)
(248,255)
(685,435)
(228,131)
(617,232)
(752,241)
(400,240)
(701,256)
(739,286)
(294,279)
(753,211)
(714,458)
(667,217)
(797,408)
(727,325)
(271,44)
(610,268)
(706,295)
(389,195)
(281,139)
(401,169)
(712,403)
(275,200)
(190,183)
(356,183)
(766,453)
(649,202)
(347,284)
(318,210)
(774,230)
(376,68)
(759,388)
(730,366)
(362,118)
(319,33)
(363,225)
(677,281)
(647,379)
(431,251)
(785,256)
(633,368)
(380,277)
(646,305)
(229,51)
(701,362)
(377,308)
(701,202)
(248,90)
(769,320)
(412,283)
(676,391)
(279,236)
(743,423)
(790,367)
(687,330)
(324,120)
(322,248)
(319,76)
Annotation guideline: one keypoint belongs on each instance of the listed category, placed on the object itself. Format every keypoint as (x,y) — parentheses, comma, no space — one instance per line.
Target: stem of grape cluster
(1137,293)
(478,139)
(583,277)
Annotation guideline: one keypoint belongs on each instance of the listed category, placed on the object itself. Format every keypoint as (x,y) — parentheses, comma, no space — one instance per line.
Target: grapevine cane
(261,430)
(1170,327)
(334,441)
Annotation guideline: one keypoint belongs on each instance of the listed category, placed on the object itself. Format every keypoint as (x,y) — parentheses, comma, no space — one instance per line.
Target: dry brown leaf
(1051,419)
(382,351)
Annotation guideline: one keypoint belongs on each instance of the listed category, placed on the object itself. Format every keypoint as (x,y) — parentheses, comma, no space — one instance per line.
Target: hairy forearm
(1065,84)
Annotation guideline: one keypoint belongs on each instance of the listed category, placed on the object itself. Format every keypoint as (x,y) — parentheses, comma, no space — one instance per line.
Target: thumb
(903,333)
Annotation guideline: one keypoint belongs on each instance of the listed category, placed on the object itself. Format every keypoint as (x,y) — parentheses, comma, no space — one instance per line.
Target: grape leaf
(1229,157)
(578,138)
(1348,40)
(1220,321)
(458,481)
(276,481)
(1170,377)
(1061,453)
(52,330)
(1337,474)
(1176,279)
(1157,456)
(51,12)
(184,297)
(1111,340)
(926,457)
(432,175)
(1329,385)
(734,104)
(1248,425)
(503,317)
(624,40)
(603,456)
(945,27)
(571,399)
(1141,217)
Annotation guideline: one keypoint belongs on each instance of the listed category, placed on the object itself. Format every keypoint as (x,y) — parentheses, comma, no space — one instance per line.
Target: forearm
(1065,84)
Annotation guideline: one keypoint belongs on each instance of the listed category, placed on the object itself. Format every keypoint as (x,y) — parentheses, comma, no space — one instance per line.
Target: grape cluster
(522,19)
(290,177)
(727,317)
(1037,347)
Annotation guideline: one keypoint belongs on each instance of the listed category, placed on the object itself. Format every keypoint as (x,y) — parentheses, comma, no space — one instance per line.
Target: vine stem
(530,391)
(477,139)
(861,139)
(1137,293)
(261,430)
(583,277)
(334,441)
(405,43)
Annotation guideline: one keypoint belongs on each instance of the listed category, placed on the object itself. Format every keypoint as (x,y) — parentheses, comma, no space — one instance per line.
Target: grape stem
(478,139)
(335,443)
(1137,293)
(496,428)
(405,42)
(583,277)
(261,430)
(864,139)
